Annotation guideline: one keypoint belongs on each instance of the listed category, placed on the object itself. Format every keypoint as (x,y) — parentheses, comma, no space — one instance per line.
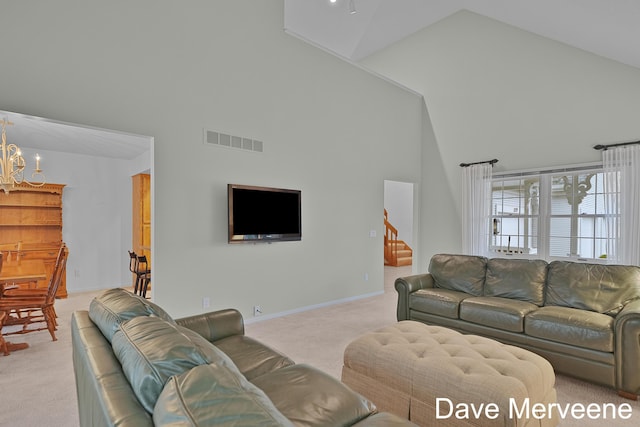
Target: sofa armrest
(215,325)
(405,286)
(627,330)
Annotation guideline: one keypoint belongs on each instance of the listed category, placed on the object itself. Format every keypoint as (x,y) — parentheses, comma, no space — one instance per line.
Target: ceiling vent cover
(232,141)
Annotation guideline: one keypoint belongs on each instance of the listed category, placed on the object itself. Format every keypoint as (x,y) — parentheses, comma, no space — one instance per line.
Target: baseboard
(310,307)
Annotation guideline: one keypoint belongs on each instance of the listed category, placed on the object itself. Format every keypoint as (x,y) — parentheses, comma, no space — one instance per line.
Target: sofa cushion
(109,309)
(572,326)
(441,302)
(151,350)
(595,287)
(519,279)
(495,312)
(251,357)
(213,395)
(463,273)
(310,397)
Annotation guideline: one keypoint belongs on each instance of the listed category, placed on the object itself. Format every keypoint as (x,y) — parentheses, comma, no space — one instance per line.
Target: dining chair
(28,309)
(3,343)
(144,275)
(133,266)
(144,286)
(138,265)
(17,292)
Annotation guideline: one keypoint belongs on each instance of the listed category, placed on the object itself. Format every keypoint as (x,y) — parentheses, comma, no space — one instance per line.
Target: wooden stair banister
(390,236)
(393,246)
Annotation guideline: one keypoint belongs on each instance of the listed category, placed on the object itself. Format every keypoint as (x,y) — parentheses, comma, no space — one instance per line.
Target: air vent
(232,141)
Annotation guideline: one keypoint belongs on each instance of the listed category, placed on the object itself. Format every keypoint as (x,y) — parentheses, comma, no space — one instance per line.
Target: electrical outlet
(366,277)
(257,310)
(206,302)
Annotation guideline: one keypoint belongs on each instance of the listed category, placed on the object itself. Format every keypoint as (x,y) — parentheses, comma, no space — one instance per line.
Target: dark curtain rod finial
(605,147)
(464,165)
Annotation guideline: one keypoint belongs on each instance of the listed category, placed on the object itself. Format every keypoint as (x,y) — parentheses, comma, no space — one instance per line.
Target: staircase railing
(390,241)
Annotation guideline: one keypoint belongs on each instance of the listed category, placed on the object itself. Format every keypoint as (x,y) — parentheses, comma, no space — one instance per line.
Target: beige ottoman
(437,376)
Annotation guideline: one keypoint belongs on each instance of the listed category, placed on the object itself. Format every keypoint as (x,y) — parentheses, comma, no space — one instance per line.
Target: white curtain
(476,209)
(622,203)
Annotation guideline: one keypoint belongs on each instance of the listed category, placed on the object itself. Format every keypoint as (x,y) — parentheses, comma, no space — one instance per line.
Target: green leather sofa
(584,318)
(135,366)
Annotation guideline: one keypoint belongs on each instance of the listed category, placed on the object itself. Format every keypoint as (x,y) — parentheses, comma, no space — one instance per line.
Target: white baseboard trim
(248,321)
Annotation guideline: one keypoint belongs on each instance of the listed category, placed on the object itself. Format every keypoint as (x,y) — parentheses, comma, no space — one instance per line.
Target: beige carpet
(38,386)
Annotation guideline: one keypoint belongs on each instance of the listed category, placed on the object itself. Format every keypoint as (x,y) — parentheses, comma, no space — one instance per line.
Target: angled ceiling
(44,134)
(608,28)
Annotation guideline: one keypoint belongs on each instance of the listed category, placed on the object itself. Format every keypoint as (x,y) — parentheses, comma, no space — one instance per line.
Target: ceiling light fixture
(12,164)
(352,7)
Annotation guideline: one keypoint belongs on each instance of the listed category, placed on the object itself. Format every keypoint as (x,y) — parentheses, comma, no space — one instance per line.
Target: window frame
(544,216)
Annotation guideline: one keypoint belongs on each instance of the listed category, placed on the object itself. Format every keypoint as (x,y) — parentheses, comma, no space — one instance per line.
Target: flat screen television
(263,214)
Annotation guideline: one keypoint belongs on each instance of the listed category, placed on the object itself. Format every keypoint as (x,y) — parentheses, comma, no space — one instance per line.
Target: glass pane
(600,207)
(585,227)
(560,227)
(585,248)
(598,183)
(601,228)
(510,226)
(560,205)
(512,202)
(559,246)
(588,205)
(600,248)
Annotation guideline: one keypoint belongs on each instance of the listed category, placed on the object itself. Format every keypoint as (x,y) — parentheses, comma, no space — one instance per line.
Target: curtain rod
(605,147)
(464,165)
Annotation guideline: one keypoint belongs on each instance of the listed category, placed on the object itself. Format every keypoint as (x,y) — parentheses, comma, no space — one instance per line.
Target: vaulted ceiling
(608,28)
(45,134)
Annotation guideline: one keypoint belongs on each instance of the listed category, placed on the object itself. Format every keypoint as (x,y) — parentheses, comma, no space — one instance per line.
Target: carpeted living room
(44,373)
(506,120)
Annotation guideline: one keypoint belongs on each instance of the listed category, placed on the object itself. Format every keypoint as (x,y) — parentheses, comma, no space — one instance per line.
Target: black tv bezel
(257,238)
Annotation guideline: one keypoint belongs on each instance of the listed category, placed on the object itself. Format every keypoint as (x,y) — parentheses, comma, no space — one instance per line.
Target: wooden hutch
(31,227)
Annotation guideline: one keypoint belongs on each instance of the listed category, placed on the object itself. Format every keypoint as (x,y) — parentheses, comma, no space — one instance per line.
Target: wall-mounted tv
(263,214)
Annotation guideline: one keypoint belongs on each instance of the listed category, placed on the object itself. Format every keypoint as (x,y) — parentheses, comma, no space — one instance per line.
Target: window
(515,215)
(550,215)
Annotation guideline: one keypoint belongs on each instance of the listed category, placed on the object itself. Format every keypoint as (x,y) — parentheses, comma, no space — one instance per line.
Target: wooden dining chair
(3,343)
(144,275)
(138,265)
(28,292)
(17,292)
(36,307)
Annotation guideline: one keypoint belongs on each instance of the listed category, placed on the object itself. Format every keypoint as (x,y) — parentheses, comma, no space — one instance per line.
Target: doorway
(141,216)
(398,207)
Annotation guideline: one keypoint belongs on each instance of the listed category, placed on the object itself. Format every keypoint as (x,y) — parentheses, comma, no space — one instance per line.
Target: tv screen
(263,214)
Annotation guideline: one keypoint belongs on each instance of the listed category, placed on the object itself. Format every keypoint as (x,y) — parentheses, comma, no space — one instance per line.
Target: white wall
(169,69)
(494,91)
(96,215)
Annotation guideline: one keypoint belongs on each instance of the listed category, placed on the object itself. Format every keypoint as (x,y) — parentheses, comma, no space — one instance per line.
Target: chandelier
(12,164)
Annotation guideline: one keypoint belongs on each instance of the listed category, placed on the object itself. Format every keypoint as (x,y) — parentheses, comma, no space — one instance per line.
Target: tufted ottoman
(437,376)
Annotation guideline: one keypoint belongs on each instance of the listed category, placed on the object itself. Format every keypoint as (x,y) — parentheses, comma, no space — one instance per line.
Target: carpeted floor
(38,387)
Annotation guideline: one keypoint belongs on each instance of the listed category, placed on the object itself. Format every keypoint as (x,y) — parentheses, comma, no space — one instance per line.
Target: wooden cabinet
(141,214)
(31,227)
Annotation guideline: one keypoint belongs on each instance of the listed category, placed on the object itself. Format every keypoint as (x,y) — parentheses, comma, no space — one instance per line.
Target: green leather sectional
(135,366)
(584,318)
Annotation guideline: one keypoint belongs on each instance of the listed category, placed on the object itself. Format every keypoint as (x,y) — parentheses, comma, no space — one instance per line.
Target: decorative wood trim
(45,188)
